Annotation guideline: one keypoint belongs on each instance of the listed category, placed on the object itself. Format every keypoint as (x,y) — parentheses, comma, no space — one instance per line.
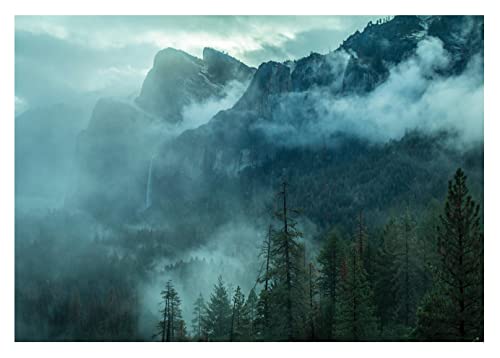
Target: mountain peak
(224,68)
(272,78)
(178,78)
(169,56)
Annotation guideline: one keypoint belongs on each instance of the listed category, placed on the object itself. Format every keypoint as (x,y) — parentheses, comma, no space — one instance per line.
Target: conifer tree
(384,277)
(199,319)
(406,271)
(453,310)
(237,319)
(361,236)
(250,316)
(219,313)
(312,311)
(263,320)
(364,246)
(171,322)
(356,319)
(287,268)
(328,260)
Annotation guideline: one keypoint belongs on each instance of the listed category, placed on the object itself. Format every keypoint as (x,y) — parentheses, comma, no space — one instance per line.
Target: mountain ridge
(234,148)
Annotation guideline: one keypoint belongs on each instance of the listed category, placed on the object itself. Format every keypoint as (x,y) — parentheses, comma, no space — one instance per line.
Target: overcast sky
(59,58)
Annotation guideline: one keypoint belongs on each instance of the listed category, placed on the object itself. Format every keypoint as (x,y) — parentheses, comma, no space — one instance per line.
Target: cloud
(52,70)
(196,114)
(415,96)
(191,33)
(60,57)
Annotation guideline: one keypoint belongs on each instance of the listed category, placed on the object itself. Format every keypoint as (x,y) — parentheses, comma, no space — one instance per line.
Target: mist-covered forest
(331,196)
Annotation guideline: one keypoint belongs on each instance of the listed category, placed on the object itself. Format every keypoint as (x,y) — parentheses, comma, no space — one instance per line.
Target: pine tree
(237,319)
(361,236)
(250,317)
(384,278)
(453,310)
(199,319)
(263,320)
(406,271)
(364,246)
(328,260)
(181,334)
(287,274)
(312,309)
(219,313)
(171,322)
(355,309)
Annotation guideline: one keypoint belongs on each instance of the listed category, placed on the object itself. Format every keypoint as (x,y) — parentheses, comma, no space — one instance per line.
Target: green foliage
(453,310)
(406,272)
(199,321)
(250,317)
(356,320)
(384,272)
(328,277)
(171,326)
(219,313)
(237,316)
(427,283)
(287,292)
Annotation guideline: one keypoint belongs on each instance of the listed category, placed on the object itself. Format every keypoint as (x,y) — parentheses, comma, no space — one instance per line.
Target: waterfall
(149,189)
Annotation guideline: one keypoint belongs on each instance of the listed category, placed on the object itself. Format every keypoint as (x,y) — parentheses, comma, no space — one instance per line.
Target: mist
(114,199)
(417,95)
(197,114)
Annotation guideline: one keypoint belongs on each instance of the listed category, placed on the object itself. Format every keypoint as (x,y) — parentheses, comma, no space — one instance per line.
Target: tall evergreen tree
(263,321)
(237,319)
(384,278)
(250,317)
(199,319)
(453,310)
(329,263)
(406,271)
(287,268)
(361,236)
(312,308)
(171,323)
(356,319)
(219,313)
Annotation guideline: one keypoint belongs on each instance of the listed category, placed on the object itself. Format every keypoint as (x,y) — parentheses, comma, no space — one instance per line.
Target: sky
(64,58)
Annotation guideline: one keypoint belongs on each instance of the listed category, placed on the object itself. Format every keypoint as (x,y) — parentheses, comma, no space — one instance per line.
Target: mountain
(284,124)
(177,79)
(115,151)
(276,127)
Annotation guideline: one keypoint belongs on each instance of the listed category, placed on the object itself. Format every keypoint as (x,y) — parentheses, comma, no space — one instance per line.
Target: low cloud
(198,113)
(415,96)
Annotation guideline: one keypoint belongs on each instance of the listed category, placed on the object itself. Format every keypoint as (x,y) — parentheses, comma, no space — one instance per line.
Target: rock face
(271,80)
(232,147)
(114,151)
(222,68)
(112,157)
(178,78)
(233,144)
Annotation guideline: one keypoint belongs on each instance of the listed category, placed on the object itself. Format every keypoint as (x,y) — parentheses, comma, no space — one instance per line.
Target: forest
(417,278)
(406,284)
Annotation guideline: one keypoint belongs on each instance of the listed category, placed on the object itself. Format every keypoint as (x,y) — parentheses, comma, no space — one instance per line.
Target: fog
(196,114)
(75,242)
(416,96)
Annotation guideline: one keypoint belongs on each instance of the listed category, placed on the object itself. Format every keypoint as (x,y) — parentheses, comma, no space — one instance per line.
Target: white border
(251,7)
